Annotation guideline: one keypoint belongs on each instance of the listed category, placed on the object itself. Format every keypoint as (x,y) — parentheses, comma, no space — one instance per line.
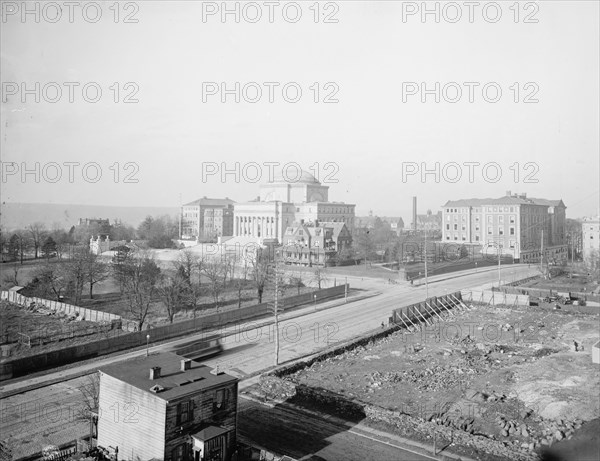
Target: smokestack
(415,213)
(154,373)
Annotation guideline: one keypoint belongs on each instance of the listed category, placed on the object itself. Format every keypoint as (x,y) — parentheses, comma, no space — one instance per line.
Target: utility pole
(542,253)
(346,290)
(276,312)
(426,281)
(180,214)
(499,261)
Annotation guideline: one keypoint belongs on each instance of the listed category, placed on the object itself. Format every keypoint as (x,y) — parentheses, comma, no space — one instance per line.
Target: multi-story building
(167,408)
(315,243)
(590,228)
(207,219)
(284,202)
(517,223)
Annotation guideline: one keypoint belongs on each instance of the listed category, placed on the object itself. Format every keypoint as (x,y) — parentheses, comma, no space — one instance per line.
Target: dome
(292,176)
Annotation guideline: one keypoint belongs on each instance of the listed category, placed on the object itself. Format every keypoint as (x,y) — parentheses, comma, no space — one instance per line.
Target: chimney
(186,364)
(216,371)
(154,373)
(508,193)
(523,195)
(415,213)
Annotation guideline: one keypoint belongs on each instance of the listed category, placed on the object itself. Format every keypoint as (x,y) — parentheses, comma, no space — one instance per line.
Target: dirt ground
(580,282)
(507,373)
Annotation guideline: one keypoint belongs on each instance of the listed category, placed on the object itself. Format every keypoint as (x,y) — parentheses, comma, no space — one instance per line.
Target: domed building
(294,189)
(291,198)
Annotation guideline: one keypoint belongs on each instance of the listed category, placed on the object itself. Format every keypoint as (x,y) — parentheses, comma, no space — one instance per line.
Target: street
(248,349)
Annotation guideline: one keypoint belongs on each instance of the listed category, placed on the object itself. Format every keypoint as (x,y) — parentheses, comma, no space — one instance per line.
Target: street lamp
(315,298)
(147,345)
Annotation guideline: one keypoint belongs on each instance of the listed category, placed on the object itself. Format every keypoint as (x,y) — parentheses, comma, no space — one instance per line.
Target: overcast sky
(364,141)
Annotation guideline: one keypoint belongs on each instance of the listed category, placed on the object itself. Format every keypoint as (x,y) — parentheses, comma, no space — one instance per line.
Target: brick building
(167,408)
(206,219)
(514,221)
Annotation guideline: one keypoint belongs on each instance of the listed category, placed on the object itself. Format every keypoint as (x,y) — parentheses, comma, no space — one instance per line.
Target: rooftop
(217,202)
(506,200)
(175,383)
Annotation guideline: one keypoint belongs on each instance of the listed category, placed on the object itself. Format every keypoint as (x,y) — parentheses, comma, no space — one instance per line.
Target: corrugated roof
(175,382)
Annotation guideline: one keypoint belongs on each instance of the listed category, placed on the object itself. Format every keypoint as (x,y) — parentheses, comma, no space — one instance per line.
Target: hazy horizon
(360,124)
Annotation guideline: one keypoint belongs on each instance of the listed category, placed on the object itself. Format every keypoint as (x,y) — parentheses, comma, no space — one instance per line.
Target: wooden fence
(83,313)
(21,366)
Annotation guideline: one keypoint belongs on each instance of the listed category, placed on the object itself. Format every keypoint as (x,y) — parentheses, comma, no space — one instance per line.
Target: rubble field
(522,377)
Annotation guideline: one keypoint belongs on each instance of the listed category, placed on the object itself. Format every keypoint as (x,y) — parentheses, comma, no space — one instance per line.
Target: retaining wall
(431,307)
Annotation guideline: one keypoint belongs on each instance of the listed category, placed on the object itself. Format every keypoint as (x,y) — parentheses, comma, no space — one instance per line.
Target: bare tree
(141,276)
(37,231)
(296,280)
(174,292)
(213,270)
(320,276)
(239,285)
(96,271)
(74,272)
(260,272)
(90,391)
(49,280)
(13,277)
(187,264)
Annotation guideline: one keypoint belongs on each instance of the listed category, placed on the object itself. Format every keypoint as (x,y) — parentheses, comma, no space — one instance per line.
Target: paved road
(249,348)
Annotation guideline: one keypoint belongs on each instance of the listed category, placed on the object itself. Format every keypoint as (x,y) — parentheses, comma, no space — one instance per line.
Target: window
(512,219)
(489,219)
(477,219)
(495,209)
(477,228)
(464,227)
(221,399)
(501,218)
(184,412)
(477,238)
(512,231)
(500,231)
(456,227)
(447,226)
(178,453)
(489,230)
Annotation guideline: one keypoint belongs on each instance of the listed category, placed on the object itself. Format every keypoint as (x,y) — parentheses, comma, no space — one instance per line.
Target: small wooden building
(167,408)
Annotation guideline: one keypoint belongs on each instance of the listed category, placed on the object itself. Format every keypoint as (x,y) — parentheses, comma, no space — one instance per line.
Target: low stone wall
(22,366)
(83,313)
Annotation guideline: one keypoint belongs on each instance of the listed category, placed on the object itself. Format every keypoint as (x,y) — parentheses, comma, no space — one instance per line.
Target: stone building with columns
(286,201)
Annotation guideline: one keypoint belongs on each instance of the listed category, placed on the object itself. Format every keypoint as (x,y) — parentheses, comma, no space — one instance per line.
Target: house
(167,408)
(315,243)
